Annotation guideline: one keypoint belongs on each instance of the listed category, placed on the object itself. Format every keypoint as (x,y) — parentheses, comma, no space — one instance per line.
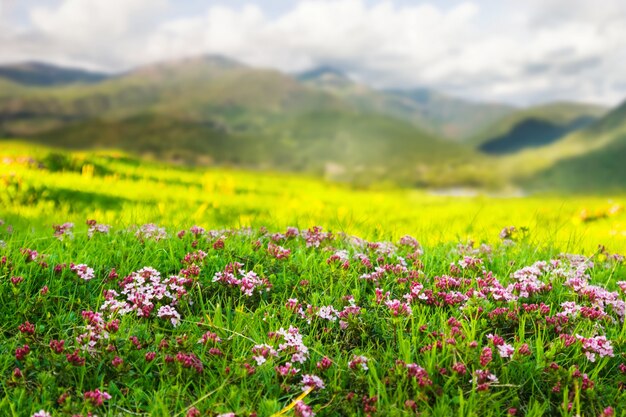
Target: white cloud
(514,51)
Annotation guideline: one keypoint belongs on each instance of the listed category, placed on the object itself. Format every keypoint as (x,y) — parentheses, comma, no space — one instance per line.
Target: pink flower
(42,413)
(83,271)
(312,381)
(97,397)
(358,362)
(486,356)
(169,312)
(324,364)
(505,350)
(596,345)
(303,410)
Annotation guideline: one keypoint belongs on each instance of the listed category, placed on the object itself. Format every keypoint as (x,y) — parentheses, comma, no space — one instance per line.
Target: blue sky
(520,52)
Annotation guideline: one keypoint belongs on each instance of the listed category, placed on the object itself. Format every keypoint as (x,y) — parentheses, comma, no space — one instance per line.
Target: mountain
(327,78)
(40,74)
(212,110)
(536,126)
(448,116)
(595,161)
(445,116)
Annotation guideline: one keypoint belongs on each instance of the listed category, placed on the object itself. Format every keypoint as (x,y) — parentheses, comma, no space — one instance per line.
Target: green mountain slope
(212,110)
(536,127)
(40,74)
(441,115)
(593,159)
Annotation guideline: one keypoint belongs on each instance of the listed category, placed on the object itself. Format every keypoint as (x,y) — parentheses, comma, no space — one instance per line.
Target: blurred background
(452,96)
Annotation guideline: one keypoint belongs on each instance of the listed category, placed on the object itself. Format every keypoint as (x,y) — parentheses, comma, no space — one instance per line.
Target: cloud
(513,51)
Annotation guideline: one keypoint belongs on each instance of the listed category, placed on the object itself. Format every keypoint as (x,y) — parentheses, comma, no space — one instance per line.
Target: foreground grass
(139,320)
(246,321)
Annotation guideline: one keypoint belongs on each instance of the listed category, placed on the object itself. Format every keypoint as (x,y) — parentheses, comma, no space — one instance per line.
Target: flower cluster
(247,281)
(143,290)
(97,228)
(62,231)
(150,231)
(83,271)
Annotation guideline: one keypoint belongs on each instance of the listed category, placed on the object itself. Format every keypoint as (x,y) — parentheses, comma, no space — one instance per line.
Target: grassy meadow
(139,288)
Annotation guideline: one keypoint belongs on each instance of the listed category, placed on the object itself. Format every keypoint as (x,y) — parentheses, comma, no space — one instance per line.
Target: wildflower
(169,312)
(508,233)
(278,252)
(27,328)
(596,345)
(95,227)
(312,381)
(63,230)
(524,350)
(193,412)
(486,356)
(189,360)
(150,231)
(262,352)
(419,373)
(21,352)
(209,336)
(57,345)
(324,364)
(459,368)
(292,342)
(97,397)
(358,362)
(303,410)
(314,237)
(83,271)
(247,282)
(75,359)
(328,313)
(607,412)
(292,304)
(399,308)
(42,413)
(286,370)
(505,350)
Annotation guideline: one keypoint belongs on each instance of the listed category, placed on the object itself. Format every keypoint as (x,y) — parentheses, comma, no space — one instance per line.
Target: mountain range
(214,110)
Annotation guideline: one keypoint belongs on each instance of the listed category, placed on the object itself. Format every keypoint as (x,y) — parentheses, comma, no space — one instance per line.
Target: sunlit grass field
(120,190)
(231,302)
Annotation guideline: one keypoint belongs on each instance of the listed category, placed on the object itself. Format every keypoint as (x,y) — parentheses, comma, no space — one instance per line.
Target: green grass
(115,188)
(42,187)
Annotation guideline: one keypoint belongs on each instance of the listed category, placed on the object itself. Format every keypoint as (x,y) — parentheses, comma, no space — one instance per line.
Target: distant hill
(445,116)
(40,74)
(448,116)
(212,110)
(536,127)
(597,160)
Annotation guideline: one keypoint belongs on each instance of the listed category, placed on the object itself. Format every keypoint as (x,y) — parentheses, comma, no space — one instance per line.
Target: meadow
(138,288)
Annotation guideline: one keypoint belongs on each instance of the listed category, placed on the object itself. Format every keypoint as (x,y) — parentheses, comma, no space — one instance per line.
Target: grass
(404,324)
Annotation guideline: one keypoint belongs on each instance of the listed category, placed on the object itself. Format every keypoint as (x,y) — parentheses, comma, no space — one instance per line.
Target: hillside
(536,127)
(595,161)
(41,74)
(444,116)
(213,110)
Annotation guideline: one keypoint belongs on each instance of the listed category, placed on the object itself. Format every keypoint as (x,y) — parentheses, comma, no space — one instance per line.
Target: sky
(519,52)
